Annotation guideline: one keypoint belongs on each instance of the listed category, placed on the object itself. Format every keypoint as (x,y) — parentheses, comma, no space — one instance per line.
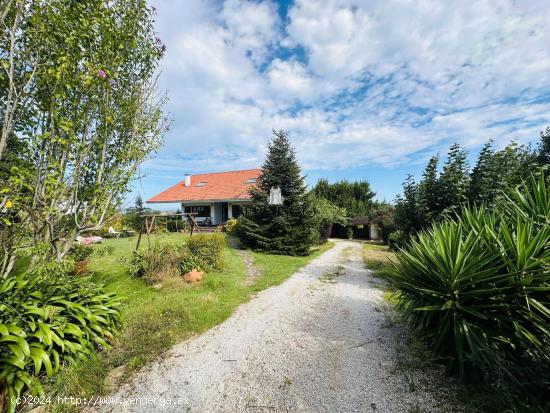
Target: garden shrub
(80,252)
(208,250)
(46,321)
(397,240)
(158,262)
(230,225)
(53,269)
(190,262)
(204,252)
(477,287)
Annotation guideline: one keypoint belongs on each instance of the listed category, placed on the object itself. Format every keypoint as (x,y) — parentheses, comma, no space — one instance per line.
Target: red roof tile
(218,186)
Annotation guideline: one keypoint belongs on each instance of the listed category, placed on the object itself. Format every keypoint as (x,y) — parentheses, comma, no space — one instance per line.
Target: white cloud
(251,26)
(355,82)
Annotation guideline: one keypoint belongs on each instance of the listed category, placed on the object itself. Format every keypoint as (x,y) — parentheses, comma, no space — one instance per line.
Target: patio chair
(113,232)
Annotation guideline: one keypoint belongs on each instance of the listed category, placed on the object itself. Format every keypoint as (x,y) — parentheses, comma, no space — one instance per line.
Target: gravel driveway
(317,343)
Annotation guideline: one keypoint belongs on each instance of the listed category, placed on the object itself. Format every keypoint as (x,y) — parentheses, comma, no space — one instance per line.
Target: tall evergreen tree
(513,165)
(406,208)
(429,203)
(543,155)
(139,204)
(279,229)
(454,180)
(483,178)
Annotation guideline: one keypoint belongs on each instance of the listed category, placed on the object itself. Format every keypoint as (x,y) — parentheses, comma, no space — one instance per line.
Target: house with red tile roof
(213,197)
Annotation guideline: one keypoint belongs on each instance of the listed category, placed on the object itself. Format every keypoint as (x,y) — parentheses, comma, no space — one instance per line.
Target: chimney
(187,180)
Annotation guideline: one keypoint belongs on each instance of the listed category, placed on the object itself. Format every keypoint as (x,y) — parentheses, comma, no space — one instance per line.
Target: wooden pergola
(148,223)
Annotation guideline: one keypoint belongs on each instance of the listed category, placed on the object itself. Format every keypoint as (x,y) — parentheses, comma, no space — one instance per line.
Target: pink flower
(158,40)
(101,73)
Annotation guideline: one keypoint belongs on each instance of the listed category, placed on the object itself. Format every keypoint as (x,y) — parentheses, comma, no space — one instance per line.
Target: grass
(155,319)
(379,258)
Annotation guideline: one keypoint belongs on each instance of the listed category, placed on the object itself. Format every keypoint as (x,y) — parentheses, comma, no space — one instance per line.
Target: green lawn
(155,319)
(379,258)
(277,268)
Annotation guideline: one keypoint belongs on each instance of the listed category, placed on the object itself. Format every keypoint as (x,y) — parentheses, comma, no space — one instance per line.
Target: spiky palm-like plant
(478,286)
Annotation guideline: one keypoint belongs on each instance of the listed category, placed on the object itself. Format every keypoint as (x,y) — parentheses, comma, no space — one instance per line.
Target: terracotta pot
(80,267)
(193,276)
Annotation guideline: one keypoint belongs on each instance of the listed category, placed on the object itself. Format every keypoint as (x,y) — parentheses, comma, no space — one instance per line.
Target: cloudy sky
(367,89)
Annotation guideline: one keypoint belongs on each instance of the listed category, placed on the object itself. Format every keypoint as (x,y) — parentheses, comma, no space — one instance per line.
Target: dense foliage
(477,287)
(79,252)
(79,115)
(440,193)
(207,250)
(163,261)
(158,262)
(230,225)
(544,148)
(326,214)
(356,197)
(46,320)
(383,215)
(279,229)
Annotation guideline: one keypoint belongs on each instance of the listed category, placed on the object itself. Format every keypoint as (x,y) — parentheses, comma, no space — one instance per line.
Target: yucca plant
(477,286)
(46,321)
(447,282)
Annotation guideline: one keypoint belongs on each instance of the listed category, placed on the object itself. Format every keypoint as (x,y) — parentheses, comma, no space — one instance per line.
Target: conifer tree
(454,180)
(513,165)
(279,229)
(543,157)
(429,203)
(483,179)
(406,208)
(139,204)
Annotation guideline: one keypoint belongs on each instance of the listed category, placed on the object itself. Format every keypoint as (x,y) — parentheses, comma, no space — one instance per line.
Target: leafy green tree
(383,215)
(279,229)
(19,60)
(91,115)
(454,179)
(355,197)
(429,197)
(326,214)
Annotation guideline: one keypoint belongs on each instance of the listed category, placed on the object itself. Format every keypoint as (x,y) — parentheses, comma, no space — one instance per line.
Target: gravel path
(317,343)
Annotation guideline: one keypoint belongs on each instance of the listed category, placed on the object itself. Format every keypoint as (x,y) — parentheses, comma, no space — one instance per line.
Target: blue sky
(367,89)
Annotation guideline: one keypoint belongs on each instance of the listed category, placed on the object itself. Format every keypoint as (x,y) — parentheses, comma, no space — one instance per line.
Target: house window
(251,181)
(201,211)
(201,184)
(236,210)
